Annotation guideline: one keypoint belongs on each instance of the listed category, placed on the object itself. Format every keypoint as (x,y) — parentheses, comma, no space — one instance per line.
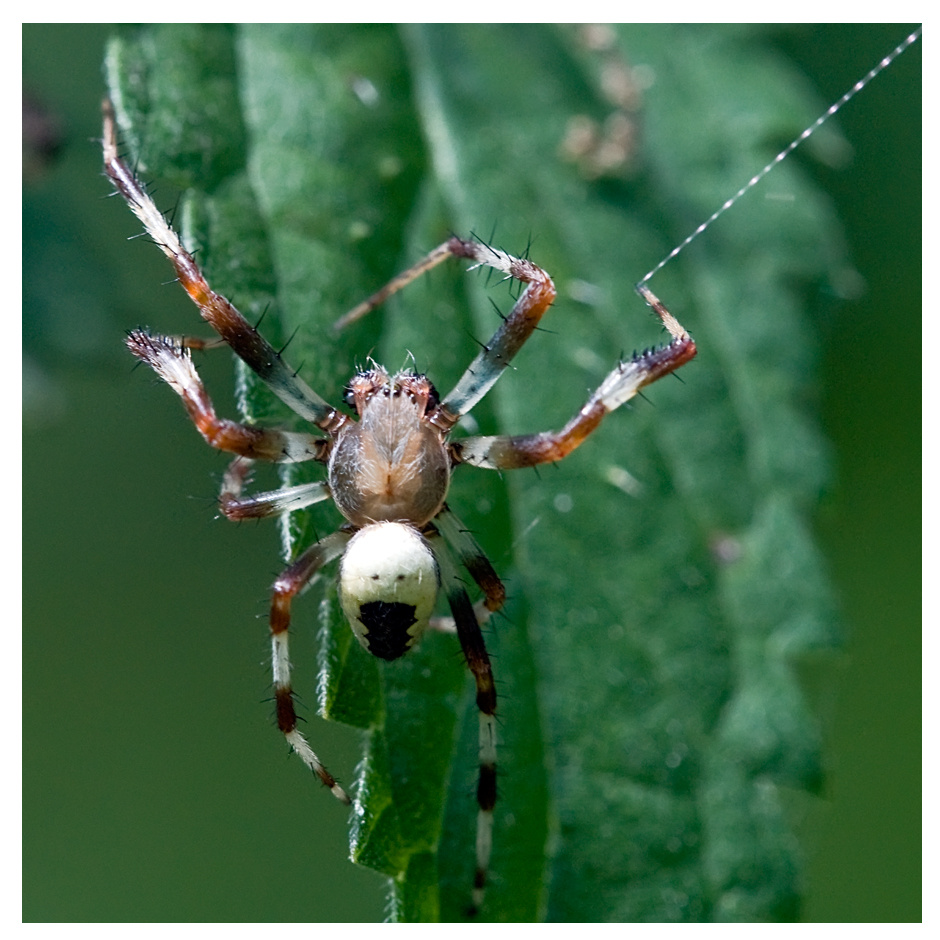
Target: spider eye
(349,396)
(433,399)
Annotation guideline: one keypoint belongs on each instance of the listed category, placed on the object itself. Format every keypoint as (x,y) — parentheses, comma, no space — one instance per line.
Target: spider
(388,469)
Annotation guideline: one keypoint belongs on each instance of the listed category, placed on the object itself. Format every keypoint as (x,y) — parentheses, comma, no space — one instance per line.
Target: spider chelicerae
(388,472)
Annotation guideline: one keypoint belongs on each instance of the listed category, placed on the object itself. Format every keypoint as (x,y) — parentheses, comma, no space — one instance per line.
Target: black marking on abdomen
(387,624)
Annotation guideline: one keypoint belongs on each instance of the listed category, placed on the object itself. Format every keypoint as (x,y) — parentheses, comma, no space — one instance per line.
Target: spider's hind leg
(473,558)
(291,582)
(474,649)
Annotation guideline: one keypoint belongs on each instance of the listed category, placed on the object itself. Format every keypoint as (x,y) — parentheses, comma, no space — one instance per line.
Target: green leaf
(663,582)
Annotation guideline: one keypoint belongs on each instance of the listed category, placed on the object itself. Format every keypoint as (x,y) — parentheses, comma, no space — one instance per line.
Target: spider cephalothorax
(388,469)
(393,464)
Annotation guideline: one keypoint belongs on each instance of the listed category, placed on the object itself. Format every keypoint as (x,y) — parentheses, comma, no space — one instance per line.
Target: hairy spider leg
(478,661)
(431,260)
(289,584)
(472,557)
(504,452)
(516,328)
(201,343)
(174,364)
(467,625)
(215,309)
(236,507)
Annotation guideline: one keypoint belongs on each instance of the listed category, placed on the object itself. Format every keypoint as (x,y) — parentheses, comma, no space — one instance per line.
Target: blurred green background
(155,789)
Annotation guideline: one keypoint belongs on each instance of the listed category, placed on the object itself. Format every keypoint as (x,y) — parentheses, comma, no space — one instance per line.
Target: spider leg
(200,343)
(291,582)
(515,329)
(478,661)
(174,365)
(449,625)
(472,557)
(431,260)
(236,507)
(215,309)
(504,452)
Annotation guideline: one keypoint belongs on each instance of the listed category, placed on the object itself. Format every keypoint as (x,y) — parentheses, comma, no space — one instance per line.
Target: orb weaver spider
(388,469)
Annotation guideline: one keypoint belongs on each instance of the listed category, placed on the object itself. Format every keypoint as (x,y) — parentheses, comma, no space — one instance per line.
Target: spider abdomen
(388,584)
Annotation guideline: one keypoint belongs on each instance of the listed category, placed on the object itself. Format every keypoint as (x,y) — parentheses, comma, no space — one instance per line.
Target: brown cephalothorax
(392,465)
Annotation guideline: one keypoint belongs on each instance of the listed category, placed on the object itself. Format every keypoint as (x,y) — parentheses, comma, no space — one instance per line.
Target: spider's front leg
(516,328)
(503,452)
(216,310)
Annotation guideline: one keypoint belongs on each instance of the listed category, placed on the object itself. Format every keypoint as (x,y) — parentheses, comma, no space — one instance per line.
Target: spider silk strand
(754,180)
